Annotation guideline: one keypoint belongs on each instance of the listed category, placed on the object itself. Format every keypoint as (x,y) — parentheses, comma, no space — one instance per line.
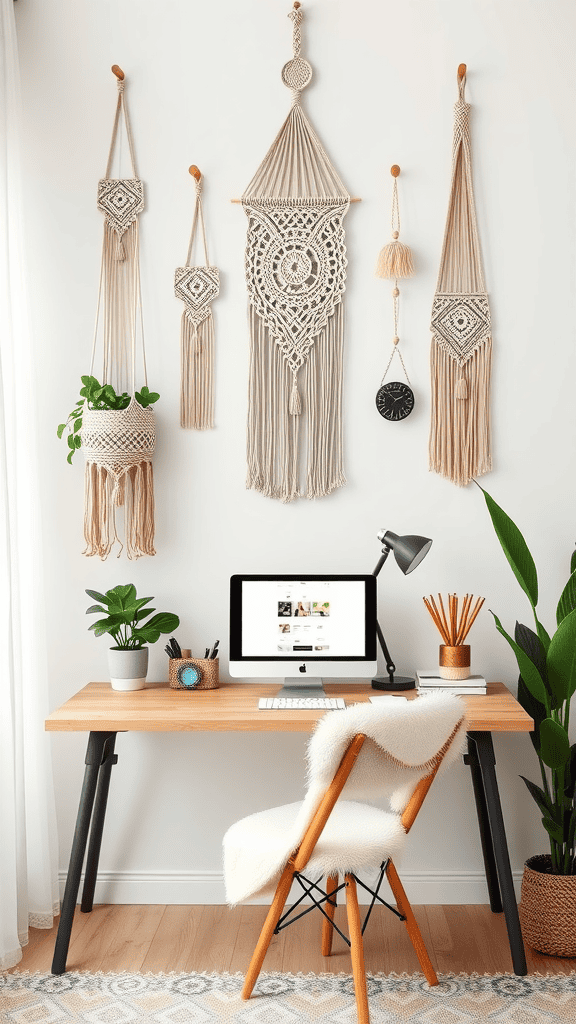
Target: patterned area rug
(284,999)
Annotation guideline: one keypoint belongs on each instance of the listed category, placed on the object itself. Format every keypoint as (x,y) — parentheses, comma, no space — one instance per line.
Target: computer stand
(302,686)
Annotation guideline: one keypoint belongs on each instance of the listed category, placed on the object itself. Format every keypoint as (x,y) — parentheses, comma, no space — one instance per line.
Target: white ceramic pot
(128,668)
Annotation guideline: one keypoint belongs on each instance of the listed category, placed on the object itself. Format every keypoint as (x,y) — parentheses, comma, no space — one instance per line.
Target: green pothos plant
(94,395)
(547,682)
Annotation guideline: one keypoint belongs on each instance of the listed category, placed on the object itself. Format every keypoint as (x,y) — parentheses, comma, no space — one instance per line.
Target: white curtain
(28,847)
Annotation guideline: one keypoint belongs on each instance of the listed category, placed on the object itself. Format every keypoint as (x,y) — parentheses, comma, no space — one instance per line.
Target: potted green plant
(126,620)
(96,397)
(547,682)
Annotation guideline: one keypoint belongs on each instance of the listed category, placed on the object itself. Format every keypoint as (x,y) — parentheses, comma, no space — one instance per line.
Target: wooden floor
(198,938)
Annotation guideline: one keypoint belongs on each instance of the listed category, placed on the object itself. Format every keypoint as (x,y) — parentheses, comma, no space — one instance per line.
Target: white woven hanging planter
(118,444)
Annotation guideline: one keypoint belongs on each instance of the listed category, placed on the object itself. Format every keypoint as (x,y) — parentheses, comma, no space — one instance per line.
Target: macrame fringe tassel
(460,447)
(104,492)
(274,431)
(295,400)
(197,374)
(395,261)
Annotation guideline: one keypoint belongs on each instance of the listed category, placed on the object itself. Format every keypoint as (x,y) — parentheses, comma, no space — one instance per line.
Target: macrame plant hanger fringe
(197,286)
(461,351)
(118,444)
(296,272)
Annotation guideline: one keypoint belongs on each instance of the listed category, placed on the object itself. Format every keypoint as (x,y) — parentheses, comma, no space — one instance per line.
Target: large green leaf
(554,831)
(96,608)
(123,594)
(149,635)
(573,562)
(567,602)
(561,658)
(107,624)
(535,709)
(528,670)
(142,613)
(539,796)
(554,744)
(97,596)
(570,774)
(515,548)
(165,622)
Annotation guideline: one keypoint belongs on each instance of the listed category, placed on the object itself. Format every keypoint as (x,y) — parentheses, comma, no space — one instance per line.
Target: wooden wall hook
(394,170)
(193,170)
(118,72)
(461,71)
(296,5)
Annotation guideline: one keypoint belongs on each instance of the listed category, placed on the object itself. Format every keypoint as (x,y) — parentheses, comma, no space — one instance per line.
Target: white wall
(204,87)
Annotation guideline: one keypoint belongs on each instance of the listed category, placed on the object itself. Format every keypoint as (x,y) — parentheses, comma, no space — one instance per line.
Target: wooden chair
(297,862)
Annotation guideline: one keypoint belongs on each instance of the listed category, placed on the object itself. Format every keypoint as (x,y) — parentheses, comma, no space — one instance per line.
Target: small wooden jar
(210,675)
(454,661)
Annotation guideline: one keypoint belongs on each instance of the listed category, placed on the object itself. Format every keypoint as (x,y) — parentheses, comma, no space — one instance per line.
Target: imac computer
(301,628)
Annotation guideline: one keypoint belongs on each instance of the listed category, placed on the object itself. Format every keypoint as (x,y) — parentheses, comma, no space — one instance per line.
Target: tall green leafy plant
(547,681)
(126,618)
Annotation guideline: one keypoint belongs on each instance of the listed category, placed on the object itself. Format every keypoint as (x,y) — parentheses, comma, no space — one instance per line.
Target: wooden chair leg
(327,929)
(357,951)
(414,932)
(275,912)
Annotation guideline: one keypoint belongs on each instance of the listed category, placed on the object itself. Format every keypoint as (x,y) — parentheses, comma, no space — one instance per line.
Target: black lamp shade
(408,551)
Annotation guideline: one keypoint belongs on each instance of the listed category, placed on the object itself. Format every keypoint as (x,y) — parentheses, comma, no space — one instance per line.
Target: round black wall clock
(395,401)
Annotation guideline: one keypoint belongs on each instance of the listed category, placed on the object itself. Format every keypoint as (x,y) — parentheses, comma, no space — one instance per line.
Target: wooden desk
(103,712)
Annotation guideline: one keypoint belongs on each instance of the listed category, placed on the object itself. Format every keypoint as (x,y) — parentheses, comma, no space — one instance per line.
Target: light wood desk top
(234,708)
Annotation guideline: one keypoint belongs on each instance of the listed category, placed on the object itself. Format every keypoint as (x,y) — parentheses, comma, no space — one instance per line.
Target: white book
(459,691)
(430,678)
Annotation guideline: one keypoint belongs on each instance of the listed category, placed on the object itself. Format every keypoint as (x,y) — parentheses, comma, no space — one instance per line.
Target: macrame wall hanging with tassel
(296,275)
(461,353)
(197,286)
(395,400)
(118,442)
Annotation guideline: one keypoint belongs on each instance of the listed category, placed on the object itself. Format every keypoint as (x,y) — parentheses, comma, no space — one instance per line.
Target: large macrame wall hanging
(118,443)
(296,273)
(461,351)
(197,286)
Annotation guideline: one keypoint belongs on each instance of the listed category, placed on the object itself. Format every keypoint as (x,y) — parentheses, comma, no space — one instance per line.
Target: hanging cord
(121,107)
(198,216)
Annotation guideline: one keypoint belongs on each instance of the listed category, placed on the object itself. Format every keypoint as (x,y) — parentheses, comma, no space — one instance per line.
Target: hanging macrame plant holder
(118,444)
(461,353)
(296,275)
(197,286)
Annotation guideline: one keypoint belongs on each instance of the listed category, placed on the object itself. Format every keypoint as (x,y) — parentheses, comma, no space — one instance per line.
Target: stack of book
(431,680)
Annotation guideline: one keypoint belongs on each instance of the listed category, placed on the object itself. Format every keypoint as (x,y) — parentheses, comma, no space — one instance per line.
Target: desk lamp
(408,552)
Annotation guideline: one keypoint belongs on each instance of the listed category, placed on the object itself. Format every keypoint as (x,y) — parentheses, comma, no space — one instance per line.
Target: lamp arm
(390,666)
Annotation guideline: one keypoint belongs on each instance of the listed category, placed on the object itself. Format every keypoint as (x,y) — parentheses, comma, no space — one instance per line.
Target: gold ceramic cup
(454,661)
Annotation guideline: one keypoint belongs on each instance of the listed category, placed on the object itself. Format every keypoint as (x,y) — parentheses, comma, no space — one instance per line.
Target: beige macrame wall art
(296,276)
(461,353)
(118,443)
(197,286)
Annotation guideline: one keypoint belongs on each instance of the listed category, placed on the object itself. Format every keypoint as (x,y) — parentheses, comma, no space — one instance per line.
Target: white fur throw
(402,739)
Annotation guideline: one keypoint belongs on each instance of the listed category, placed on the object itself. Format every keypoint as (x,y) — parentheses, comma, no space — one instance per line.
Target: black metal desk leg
(487,763)
(109,758)
(94,758)
(471,759)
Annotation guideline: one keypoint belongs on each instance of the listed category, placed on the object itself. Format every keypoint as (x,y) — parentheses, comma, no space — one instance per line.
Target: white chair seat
(356,838)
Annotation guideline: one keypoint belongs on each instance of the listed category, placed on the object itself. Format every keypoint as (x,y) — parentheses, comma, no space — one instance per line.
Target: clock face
(395,401)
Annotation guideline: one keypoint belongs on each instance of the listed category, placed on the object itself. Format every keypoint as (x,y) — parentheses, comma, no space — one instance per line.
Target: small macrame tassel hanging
(118,443)
(197,286)
(296,274)
(395,400)
(461,352)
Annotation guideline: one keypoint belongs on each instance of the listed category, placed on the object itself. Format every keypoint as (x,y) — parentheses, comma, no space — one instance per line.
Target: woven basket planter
(118,438)
(548,908)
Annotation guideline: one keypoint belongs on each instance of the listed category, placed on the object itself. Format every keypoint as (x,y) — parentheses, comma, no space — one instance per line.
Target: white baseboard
(207,887)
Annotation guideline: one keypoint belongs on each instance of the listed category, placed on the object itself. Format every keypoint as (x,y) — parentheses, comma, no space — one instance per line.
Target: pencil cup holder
(193,673)
(454,662)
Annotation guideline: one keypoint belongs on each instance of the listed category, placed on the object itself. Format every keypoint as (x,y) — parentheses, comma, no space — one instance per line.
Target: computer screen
(306,624)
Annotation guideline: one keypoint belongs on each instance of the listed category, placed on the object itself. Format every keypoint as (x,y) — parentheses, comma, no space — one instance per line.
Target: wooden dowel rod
(444,619)
(461,71)
(118,72)
(436,621)
(477,608)
(353,200)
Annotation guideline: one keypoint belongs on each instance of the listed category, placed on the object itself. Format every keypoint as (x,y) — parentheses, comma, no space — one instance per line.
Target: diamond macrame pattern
(295,270)
(118,438)
(197,287)
(121,200)
(460,323)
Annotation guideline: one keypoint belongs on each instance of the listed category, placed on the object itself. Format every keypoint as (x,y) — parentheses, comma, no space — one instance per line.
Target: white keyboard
(300,703)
